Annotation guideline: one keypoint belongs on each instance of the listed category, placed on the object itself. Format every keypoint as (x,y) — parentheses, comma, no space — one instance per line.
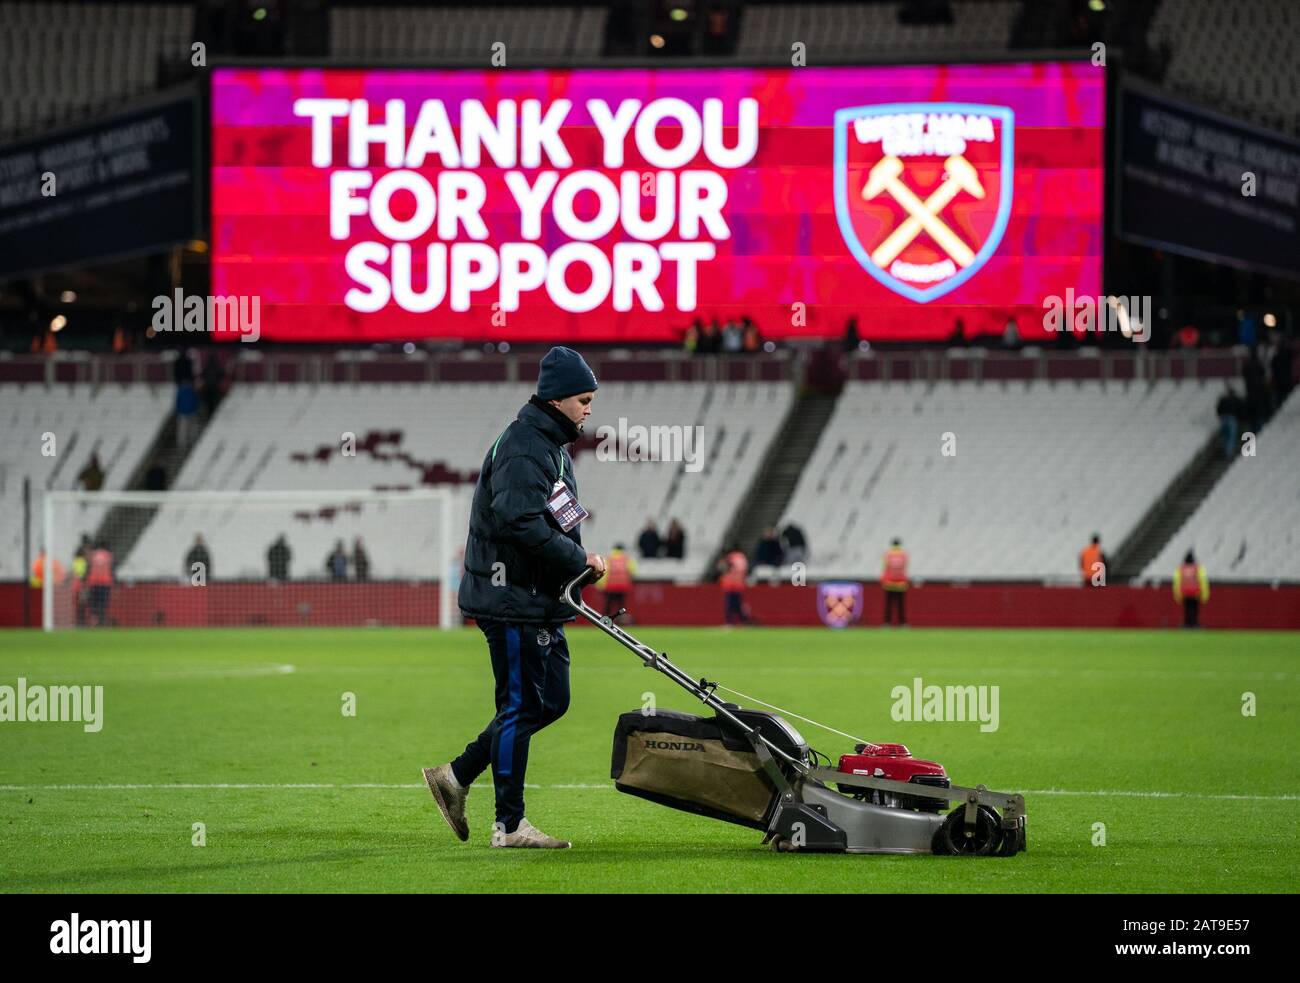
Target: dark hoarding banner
(113,188)
(1204,185)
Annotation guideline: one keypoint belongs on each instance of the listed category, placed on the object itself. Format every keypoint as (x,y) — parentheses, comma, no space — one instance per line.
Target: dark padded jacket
(509,524)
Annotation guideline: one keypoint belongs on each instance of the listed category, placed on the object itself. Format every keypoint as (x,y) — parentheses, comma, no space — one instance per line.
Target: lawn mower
(752,768)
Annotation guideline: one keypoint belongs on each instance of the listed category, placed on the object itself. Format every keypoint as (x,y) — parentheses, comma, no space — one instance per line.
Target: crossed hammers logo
(839,605)
(923,215)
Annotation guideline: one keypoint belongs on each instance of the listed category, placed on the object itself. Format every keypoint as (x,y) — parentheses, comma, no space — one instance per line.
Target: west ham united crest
(839,605)
(923,191)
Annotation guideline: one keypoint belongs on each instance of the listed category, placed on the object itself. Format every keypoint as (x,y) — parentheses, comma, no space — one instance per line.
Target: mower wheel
(1013,841)
(953,839)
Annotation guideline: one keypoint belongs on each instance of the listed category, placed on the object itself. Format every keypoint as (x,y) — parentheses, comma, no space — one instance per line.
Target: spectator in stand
(753,340)
(649,542)
(277,559)
(691,341)
(360,560)
(1092,563)
(851,337)
(735,571)
(183,367)
(768,551)
(198,562)
(214,381)
(1280,369)
(1247,329)
(1188,336)
(1230,410)
(794,544)
(336,564)
(710,338)
(187,409)
(616,582)
(676,542)
(733,338)
(91,477)
(1256,391)
(155,479)
(1191,589)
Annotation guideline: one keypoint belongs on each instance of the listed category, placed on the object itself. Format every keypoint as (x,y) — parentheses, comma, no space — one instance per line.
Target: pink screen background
(270,206)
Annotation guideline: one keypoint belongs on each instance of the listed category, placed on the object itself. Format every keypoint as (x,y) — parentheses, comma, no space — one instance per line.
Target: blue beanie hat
(564,373)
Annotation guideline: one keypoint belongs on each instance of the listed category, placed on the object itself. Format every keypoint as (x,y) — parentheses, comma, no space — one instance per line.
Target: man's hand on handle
(597,563)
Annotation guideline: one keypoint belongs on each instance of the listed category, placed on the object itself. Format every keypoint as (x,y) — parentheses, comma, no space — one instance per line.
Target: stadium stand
(468,33)
(833,31)
(1037,468)
(1237,57)
(1248,529)
(60,61)
(412,436)
(120,423)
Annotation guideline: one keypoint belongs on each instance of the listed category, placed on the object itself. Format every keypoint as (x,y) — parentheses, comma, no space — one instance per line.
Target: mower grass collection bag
(696,764)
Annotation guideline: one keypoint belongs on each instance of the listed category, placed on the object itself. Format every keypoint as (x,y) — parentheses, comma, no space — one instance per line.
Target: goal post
(251,558)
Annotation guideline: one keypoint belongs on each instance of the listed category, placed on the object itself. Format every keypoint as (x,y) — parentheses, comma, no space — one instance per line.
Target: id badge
(564,507)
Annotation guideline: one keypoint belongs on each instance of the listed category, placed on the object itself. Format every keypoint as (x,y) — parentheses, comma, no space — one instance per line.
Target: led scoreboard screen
(622,204)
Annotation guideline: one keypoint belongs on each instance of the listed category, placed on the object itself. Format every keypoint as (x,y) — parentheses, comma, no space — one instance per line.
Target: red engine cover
(892,761)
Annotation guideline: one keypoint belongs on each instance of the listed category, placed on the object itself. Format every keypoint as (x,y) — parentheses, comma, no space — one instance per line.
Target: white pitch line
(237,786)
(120,673)
(1166,795)
(270,786)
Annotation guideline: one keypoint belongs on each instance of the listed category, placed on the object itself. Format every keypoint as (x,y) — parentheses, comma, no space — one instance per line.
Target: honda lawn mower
(752,768)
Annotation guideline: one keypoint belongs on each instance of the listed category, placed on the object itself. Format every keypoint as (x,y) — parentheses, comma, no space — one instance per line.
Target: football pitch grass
(243,732)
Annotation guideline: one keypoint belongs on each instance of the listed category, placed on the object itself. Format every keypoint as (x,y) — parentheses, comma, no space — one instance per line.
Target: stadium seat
(1248,527)
(120,423)
(445,430)
(1037,468)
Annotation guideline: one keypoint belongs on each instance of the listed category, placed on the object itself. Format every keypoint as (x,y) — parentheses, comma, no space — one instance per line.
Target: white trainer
(527,835)
(449,796)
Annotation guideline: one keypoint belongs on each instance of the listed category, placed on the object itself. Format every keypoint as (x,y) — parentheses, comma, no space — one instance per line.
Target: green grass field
(243,731)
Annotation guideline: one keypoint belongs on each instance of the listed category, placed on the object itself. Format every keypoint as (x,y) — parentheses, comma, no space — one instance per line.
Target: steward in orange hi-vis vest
(618,572)
(735,576)
(893,574)
(617,581)
(101,568)
(733,580)
(37,578)
(1192,589)
(1092,564)
(99,578)
(893,578)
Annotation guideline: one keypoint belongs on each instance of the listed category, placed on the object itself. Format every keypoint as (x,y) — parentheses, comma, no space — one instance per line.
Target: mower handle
(702,690)
(578,582)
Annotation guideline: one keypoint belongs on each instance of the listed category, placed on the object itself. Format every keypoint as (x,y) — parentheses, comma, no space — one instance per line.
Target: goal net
(209,559)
